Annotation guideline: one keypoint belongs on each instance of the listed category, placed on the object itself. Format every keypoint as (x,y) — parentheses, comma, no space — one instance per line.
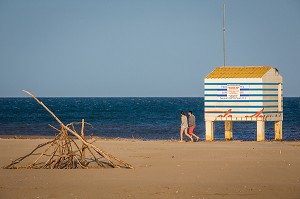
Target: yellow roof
(239,72)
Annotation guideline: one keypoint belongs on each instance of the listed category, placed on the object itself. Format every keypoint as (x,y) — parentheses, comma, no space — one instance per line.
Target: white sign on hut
(243,93)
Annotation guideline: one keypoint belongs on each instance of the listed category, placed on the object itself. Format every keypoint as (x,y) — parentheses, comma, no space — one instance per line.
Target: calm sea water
(144,118)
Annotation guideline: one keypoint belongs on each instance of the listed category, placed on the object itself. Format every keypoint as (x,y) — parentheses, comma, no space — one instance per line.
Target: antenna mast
(224,36)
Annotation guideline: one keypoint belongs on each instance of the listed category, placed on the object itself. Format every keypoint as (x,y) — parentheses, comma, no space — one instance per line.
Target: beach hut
(243,93)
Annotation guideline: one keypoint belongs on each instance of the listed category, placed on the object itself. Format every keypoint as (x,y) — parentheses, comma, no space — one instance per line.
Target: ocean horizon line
(6,97)
(107,97)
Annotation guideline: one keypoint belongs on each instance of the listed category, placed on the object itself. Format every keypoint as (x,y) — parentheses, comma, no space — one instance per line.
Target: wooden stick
(31,165)
(22,158)
(96,159)
(83,145)
(55,150)
(98,150)
(54,127)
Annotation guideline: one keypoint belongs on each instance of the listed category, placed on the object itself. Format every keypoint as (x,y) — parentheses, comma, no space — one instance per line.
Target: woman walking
(184,127)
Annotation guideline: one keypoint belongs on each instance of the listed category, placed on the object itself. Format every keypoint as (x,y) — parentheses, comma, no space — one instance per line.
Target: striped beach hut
(243,93)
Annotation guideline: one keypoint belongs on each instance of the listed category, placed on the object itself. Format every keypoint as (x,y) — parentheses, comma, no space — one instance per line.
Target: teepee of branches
(66,152)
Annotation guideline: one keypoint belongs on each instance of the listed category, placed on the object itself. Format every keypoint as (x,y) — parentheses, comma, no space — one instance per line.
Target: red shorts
(191,129)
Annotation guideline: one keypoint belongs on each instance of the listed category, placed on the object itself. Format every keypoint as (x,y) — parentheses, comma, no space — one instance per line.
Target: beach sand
(163,169)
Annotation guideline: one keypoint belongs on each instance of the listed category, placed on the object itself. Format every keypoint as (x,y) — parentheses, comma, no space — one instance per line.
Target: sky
(139,48)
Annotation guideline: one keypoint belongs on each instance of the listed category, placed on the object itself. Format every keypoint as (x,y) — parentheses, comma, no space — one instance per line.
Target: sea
(147,118)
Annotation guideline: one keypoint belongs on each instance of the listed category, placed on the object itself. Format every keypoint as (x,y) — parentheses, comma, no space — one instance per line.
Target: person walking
(192,125)
(184,127)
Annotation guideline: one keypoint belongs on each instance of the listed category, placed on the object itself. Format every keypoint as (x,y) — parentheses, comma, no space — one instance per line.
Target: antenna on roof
(224,36)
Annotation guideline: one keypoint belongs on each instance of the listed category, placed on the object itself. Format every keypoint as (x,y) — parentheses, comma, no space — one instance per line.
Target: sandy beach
(163,169)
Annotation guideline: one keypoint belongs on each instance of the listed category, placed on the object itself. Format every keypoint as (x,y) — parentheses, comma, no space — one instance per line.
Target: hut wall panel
(254,96)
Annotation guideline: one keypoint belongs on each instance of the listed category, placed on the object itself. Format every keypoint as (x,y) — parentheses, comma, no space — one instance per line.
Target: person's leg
(186,133)
(181,134)
(197,137)
(191,132)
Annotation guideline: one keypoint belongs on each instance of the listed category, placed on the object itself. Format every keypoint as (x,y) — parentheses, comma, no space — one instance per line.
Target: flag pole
(224,36)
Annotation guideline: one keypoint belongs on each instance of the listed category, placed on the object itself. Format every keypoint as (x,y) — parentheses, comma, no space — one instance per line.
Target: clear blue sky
(110,48)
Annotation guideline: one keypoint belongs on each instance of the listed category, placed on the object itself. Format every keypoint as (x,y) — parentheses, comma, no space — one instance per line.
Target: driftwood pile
(66,152)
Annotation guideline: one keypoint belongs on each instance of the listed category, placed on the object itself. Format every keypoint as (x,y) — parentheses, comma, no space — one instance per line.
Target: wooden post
(228,130)
(278,130)
(260,130)
(209,130)
(83,145)
(278,124)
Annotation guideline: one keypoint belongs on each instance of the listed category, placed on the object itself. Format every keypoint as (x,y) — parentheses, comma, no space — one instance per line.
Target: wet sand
(163,169)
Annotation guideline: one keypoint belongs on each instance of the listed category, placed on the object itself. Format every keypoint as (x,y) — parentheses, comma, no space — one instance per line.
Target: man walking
(192,125)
